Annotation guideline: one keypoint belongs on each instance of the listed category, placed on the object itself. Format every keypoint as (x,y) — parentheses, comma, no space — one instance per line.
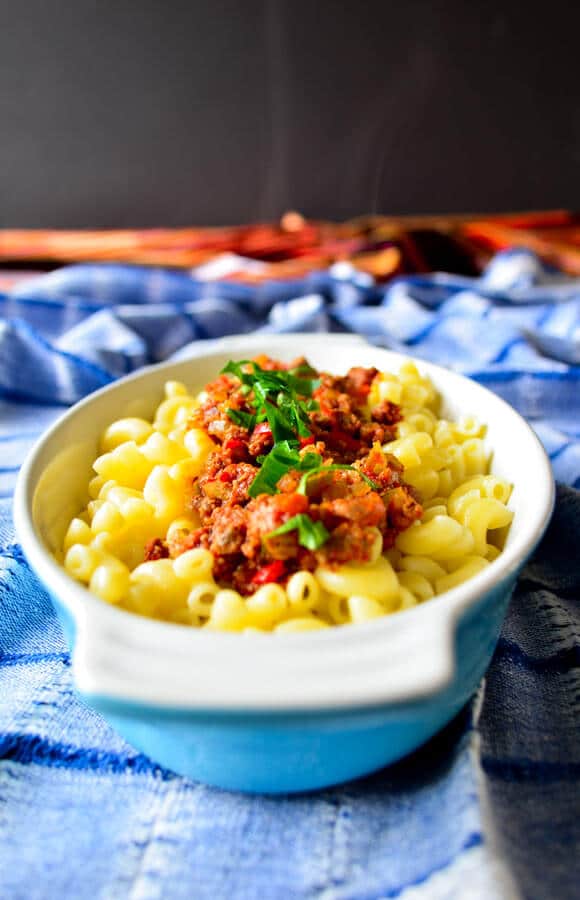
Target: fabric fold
(85,815)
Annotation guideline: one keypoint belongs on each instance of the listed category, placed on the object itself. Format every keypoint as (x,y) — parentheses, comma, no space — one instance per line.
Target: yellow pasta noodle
(138,497)
(363,609)
(268,604)
(302,591)
(123,430)
(78,532)
(407,600)
(81,561)
(469,567)
(417,584)
(201,598)
(228,612)
(193,565)
(126,465)
(439,538)
(307,623)
(110,580)
(422,565)
(376,580)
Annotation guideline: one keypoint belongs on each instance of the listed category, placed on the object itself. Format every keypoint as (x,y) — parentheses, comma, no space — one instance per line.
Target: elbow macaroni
(139,489)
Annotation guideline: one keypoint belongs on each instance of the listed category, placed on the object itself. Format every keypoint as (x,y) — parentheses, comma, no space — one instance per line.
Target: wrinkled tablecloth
(488,809)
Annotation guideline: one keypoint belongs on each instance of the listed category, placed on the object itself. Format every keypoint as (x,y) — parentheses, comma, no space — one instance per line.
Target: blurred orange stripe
(497,237)
(295,245)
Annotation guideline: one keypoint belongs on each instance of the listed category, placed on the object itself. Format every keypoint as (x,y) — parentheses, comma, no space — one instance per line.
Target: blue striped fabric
(487,809)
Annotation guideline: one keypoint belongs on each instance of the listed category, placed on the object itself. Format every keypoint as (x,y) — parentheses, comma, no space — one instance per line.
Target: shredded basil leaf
(246,420)
(303,386)
(236,368)
(284,399)
(311,535)
(281,379)
(304,369)
(271,381)
(294,414)
(282,457)
(310,460)
(301,489)
(280,426)
(276,397)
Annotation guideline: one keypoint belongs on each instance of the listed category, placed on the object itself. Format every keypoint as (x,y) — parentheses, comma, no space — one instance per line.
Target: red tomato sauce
(237,527)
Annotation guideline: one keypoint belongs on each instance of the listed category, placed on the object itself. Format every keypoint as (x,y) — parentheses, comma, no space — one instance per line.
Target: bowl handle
(133,660)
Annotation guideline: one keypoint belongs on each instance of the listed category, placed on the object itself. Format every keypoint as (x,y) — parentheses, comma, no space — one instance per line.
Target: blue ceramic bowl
(277,713)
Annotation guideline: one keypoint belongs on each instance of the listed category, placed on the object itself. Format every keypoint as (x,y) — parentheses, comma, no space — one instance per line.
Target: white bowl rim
(403,657)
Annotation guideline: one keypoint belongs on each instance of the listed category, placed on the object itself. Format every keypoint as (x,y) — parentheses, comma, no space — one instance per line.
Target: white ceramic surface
(400,657)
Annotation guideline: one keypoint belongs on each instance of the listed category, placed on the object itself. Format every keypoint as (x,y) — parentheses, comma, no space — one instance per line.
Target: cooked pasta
(383,512)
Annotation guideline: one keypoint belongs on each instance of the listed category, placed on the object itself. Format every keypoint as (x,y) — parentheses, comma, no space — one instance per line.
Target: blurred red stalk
(380,245)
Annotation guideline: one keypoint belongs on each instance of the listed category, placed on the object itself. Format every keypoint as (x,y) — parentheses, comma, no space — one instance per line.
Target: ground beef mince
(352,512)
(344,422)
(221,484)
(156,549)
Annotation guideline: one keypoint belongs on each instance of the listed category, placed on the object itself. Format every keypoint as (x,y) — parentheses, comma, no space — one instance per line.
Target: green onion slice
(280,425)
(277,462)
(271,381)
(277,398)
(246,420)
(311,535)
(281,458)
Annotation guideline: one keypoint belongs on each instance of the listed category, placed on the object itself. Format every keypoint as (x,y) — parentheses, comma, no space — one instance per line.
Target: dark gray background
(151,112)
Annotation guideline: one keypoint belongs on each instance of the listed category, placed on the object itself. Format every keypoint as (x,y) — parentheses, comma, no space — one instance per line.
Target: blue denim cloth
(487,809)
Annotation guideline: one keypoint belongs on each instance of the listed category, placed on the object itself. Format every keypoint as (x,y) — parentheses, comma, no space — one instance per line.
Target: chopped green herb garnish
(304,369)
(311,535)
(295,414)
(283,457)
(310,460)
(237,369)
(301,489)
(271,381)
(277,462)
(278,396)
(280,424)
(246,420)
(284,399)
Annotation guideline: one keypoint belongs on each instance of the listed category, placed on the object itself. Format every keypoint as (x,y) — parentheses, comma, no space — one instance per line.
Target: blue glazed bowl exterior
(274,753)
(307,711)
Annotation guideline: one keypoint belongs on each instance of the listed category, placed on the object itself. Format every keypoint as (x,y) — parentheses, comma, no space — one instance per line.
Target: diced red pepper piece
(305,441)
(272,572)
(234,444)
(262,428)
(226,476)
(337,436)
(156,549)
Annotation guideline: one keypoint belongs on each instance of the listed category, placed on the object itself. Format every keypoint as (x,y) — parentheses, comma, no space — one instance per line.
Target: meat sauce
(237,527)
